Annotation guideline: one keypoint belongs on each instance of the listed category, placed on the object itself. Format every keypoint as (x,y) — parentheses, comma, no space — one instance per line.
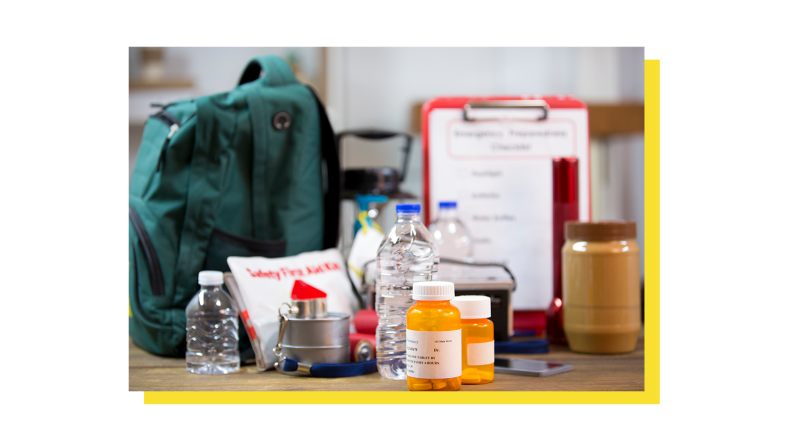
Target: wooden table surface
(590,372)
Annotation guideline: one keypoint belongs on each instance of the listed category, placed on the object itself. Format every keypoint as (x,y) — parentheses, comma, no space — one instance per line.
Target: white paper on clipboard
(500,174)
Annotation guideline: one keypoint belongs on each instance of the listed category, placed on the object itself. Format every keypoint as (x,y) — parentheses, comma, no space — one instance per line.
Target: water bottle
(407,255)
(452,239)
(212,328)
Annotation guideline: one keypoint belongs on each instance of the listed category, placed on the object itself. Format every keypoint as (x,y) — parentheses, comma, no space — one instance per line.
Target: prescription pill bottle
(434,339)
(602,288)
(478,339)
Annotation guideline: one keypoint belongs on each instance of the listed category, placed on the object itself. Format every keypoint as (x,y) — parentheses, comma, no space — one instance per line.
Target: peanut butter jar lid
(600,230)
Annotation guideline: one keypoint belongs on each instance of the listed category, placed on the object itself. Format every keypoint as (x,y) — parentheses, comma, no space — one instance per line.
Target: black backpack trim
(332,197)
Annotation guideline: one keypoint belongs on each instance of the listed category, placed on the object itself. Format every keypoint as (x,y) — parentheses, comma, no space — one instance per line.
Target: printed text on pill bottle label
(434,354)
(481,353)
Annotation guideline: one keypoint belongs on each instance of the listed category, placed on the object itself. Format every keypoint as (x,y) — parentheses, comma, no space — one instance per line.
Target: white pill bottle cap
(435,290)
(473,307)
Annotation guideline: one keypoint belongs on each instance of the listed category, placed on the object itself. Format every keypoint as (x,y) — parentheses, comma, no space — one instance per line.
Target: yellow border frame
(651,393)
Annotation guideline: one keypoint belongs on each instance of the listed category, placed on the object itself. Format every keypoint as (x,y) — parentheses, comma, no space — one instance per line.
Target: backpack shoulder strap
(214,128)
(332,197)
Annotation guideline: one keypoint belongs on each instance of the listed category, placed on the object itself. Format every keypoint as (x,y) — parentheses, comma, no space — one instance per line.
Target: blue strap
(527,347)
(289,365)
(343,370)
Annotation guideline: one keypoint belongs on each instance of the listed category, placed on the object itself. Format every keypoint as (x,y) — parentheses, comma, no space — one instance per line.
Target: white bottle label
(434,354)
(481,353)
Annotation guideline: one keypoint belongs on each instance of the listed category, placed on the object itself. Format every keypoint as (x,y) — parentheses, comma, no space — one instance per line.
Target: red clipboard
(502,133)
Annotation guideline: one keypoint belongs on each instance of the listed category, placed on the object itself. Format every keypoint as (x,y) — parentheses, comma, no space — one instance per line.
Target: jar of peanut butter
(601,290)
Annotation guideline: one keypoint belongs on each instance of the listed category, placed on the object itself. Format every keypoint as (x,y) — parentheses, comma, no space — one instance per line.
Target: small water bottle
(452,239)
(407,255)
(212,328)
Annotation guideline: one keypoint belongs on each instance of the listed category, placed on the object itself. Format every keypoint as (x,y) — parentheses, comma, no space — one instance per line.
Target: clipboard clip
(519,110)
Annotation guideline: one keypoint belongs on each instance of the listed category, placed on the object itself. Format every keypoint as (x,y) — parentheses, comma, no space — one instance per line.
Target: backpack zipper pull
(173,129)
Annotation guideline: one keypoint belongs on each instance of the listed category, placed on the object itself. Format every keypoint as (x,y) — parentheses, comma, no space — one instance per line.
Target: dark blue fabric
(342,370)
(528,347)
(289,365)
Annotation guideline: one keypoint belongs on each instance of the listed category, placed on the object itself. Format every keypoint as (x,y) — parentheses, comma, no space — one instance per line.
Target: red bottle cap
(303,291)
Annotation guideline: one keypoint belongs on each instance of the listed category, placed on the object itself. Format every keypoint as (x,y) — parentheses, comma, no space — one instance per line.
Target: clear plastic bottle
(212,328)
(407,255)
(452,239)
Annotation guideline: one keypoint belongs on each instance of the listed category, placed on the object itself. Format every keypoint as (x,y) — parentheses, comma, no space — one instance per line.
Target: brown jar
(602,290)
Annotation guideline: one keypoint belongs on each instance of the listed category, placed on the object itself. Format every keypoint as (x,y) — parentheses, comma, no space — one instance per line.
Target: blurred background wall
(383,88)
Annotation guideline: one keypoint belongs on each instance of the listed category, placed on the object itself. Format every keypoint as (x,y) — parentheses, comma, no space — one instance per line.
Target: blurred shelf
(615,119)
(142,84)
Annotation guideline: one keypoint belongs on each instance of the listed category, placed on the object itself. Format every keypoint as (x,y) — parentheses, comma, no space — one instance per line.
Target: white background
(725,300)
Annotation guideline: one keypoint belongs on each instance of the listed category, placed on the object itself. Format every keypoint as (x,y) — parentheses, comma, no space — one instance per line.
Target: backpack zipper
(171,122)
(155,271)
(137,293)
(174,125)
(161,161)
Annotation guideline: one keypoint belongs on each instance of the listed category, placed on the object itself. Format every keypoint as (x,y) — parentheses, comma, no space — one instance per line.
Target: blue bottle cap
(448,205)
(408,208)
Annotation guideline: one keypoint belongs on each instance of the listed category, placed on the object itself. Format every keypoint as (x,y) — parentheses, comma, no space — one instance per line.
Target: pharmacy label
(481,353)
(434,354)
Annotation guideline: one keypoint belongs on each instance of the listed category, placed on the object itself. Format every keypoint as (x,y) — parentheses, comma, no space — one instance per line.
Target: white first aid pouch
(264,284)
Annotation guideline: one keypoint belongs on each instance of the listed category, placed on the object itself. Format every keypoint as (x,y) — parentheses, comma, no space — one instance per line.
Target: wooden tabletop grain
(590,372)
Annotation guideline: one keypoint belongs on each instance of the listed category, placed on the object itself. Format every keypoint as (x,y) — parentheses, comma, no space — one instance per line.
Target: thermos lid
(308,302)
(434,290)
(600,230)
(473,307)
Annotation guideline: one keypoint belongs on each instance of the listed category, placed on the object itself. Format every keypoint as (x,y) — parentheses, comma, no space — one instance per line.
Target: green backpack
(230,174)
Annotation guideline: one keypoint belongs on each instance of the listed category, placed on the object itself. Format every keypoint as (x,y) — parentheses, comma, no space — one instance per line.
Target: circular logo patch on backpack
(281,121)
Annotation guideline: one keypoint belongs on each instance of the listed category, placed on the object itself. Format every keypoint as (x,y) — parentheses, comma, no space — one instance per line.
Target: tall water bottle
(212,328)
(453,240)
(407,255)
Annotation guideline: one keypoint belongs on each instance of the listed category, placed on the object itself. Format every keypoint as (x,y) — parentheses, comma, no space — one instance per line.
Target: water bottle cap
(433,291)
(408,208)
(473,307)
(210,278)
(448,205)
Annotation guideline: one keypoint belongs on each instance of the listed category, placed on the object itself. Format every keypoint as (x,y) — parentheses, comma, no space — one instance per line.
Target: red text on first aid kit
(286,272)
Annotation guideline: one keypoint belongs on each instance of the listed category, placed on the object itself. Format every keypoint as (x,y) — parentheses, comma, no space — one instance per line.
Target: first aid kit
(230,174)
(317,291)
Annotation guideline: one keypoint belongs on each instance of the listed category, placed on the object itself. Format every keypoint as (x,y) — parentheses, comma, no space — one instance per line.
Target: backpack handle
(276,71)
(382,134)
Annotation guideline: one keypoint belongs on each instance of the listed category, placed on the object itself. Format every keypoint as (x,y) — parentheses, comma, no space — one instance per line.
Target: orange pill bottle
(478,339)
(434,339)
